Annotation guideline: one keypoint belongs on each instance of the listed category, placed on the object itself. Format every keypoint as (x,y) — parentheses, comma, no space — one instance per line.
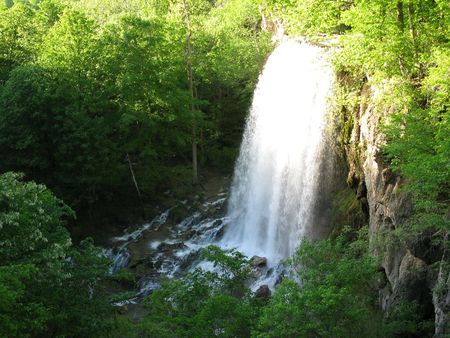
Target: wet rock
(149,263)
(136,263)
(258,262)
(189,260)
(263,292)
(217,222)
(279,279)
(157,264)
(191,234)
(194,206)
(220,233)
(171,247)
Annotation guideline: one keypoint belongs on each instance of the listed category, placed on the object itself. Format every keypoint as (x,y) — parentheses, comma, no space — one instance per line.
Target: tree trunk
(400,16)
(191,90)
(413,31)
(133,176)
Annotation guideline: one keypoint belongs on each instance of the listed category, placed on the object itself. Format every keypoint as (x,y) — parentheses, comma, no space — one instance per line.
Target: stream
(170,245)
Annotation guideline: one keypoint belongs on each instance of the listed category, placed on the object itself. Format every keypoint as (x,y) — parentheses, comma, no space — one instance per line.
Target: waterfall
(276,176)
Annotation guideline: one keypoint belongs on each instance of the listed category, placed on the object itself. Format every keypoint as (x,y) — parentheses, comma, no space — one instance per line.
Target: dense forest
(105,105)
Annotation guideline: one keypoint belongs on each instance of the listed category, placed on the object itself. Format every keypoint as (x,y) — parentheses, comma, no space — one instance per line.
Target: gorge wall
(412,269)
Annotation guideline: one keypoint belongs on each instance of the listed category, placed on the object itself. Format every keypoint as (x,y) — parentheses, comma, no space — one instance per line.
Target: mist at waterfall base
(278,180)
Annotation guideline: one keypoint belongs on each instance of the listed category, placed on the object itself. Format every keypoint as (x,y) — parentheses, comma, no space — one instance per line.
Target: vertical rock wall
(408,273)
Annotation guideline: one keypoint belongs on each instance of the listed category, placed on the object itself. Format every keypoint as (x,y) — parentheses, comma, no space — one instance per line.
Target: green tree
(311,17)
(18,39)
(204,303)
(149,92)
(19,316)
(236,48)
(48,287)
(334,298)
(23,26)
(107,96)
(32,223)
(69,49)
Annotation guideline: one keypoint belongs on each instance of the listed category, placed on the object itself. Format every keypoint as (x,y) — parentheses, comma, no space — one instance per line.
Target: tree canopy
(107,87)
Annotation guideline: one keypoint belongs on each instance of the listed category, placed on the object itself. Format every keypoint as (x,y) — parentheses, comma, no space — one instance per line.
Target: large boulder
(263,292)
(171,247)
(258,262)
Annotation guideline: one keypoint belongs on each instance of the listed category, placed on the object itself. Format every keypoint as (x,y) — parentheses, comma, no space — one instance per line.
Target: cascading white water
(275,180)
(275,183)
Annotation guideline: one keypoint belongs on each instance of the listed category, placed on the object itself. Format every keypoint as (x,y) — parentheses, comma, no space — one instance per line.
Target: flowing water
(275,186)
(276,178)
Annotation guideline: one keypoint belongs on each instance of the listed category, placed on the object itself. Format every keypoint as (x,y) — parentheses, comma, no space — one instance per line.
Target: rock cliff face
(408,267)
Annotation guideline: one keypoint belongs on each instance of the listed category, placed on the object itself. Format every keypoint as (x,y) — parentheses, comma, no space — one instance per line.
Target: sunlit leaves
(18,38)
(312,17)
(334,298)
(205,303)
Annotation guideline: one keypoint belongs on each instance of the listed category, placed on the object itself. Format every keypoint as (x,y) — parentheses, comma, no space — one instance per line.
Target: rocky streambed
(170,244)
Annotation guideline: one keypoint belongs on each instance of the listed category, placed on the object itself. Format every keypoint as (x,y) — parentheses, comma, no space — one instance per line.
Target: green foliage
(19,316)
(18,41)
(335,297)
(31,220)
(391,38)
(332,293)
(204,303)
(404,320)
(234,269)
(47,286)
(100,88)
(46,137)
(311,17)
(418,147)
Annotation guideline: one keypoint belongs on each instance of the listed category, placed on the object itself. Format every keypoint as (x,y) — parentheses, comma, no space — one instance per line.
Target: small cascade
(164,247)
(276,176)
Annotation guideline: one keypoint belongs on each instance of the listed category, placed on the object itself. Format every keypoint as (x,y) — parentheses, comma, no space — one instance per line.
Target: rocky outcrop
(258,262)
(441,298)
(263,292)
(407,273)
(169,248)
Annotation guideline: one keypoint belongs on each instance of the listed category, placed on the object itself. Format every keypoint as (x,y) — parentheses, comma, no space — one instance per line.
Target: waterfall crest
(275,180)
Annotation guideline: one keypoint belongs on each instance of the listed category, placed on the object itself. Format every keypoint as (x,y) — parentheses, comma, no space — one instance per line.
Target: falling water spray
(276,176)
